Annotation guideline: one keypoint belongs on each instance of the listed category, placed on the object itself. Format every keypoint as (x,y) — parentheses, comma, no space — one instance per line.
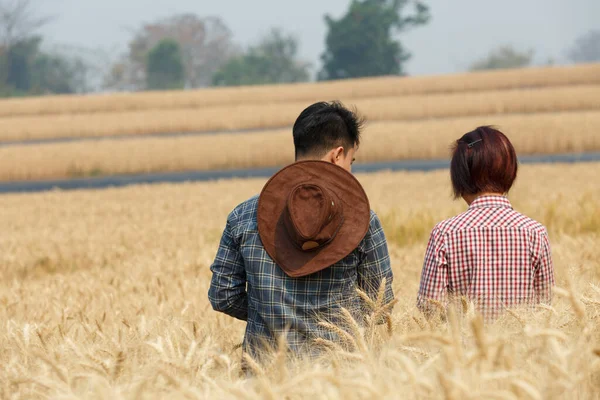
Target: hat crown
(314,216)
(296,204)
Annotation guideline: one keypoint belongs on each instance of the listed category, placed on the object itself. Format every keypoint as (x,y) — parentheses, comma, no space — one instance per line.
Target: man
(297,253)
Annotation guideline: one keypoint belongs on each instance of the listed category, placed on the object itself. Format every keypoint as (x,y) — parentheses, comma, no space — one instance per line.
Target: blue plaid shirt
(248,285)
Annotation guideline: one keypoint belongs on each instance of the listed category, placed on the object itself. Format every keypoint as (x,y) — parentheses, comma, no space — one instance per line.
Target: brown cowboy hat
(312,214)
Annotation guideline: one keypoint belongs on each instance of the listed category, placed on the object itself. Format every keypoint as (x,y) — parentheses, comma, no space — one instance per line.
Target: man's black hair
(324,126)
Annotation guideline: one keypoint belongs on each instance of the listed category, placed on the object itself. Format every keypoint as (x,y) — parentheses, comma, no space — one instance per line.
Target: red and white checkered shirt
(490,254)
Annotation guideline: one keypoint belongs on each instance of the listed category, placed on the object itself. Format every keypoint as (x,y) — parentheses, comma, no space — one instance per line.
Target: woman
(490,254)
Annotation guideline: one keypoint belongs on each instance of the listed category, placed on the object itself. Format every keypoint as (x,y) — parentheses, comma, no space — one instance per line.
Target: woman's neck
(469,198)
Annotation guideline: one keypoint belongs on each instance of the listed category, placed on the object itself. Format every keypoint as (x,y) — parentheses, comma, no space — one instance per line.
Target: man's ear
(338,153)
(334,156)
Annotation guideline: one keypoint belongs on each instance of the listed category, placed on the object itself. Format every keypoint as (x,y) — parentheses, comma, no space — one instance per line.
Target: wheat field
(382,141)
(104,295)
(277,115)
(583,74)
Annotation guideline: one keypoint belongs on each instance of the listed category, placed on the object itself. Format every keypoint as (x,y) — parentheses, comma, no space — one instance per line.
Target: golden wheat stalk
(62,375)
(253,365)
(344,336)
(328,344)
(479,334)
(356,332)
(365,297)
(118,367)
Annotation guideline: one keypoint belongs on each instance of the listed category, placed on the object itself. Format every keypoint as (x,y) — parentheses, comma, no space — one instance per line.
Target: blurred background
(73,46)
(210,89)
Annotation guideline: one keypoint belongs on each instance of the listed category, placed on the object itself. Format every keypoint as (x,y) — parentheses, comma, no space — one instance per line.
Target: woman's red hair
(483,161)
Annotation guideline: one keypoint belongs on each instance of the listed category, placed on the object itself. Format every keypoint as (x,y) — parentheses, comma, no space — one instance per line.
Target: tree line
(188,51)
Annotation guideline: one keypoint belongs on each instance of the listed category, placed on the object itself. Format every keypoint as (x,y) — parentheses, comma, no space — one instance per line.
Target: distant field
(103,294)
(275,115)
(382,141)
(310,92)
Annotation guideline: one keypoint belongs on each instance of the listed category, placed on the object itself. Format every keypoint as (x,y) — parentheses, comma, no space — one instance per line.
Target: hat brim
(271,206)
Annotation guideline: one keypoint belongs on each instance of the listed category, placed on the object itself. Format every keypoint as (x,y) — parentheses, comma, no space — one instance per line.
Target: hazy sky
(459,32)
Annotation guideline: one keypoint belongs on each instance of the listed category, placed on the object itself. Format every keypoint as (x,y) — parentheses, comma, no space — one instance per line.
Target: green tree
(504,57)
(17,63)
(273,60)
(55,73)
(18,44)
(27,70)
(164,66)
(361,43)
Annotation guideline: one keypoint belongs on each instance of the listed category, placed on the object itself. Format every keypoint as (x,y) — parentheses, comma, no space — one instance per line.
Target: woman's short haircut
(483,161)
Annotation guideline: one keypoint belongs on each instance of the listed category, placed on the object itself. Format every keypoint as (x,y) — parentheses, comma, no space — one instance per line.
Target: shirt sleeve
(544,271)
(227,291)
(434,277)
(375,263)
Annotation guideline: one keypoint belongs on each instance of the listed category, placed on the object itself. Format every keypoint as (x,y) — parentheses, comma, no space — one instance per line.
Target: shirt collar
(491,202)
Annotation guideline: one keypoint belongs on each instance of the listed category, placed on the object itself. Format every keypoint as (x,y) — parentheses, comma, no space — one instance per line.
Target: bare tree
(18,21)
(206,44)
